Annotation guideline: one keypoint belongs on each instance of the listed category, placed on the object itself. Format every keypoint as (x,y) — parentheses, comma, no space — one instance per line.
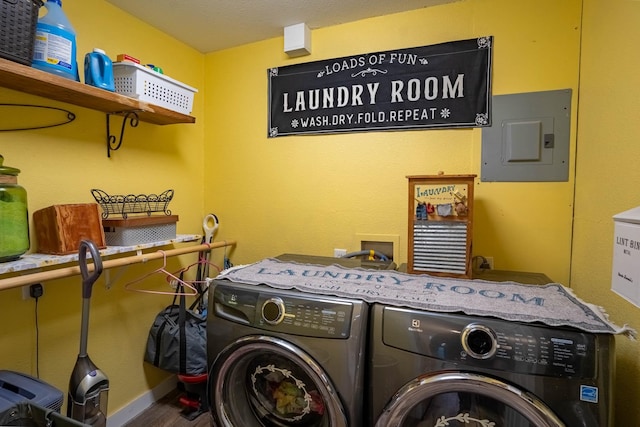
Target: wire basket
(18,19)
(132,204)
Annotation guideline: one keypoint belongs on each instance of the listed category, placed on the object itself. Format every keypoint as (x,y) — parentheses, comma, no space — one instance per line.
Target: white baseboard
(136,407)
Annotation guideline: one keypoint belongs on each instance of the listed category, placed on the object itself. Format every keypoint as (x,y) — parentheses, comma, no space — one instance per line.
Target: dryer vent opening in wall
(385,248)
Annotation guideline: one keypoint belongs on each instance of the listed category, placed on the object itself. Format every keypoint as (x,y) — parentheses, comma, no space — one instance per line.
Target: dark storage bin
(18,19)
(30,414)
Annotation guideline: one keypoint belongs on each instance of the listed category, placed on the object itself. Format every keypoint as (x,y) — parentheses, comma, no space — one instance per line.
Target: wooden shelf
(36,268)
(36,261)
(35,82)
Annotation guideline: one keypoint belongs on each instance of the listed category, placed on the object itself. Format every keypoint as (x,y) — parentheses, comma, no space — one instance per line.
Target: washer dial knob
(479,341)
(273,311)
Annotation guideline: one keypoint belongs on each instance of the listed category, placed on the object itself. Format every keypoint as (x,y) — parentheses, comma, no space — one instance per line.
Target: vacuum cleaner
(88,386)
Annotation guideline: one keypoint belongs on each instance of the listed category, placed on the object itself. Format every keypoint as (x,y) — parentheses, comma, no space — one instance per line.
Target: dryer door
(266,381)
(461,399)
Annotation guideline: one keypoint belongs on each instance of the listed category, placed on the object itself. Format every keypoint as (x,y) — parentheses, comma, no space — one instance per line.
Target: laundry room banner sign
(447,85)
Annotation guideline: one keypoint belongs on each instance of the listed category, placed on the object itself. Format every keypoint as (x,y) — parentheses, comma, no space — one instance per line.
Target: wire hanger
(172,279)
(200,282)
(201,263)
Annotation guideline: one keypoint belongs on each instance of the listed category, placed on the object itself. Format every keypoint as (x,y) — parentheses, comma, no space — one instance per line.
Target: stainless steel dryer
(434,369)
(284,358)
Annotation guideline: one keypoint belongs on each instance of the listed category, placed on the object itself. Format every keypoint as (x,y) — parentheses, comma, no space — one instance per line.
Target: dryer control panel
(491,343)
(283,311)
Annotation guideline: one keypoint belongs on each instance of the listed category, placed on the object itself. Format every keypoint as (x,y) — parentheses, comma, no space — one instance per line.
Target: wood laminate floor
(167,413)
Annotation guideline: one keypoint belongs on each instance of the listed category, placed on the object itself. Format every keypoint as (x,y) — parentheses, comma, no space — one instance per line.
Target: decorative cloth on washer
(552,304)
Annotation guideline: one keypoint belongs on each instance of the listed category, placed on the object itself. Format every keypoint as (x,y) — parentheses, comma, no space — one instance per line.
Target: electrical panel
(529,137)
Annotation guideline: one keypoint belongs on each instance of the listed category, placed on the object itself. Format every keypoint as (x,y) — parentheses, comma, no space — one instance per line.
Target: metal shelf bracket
(7,123)
(112,143)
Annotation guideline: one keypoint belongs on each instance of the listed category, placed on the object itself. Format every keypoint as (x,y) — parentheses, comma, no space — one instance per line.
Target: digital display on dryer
(518,347)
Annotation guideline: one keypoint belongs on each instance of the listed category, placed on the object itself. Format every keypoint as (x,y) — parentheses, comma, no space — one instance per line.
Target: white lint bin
(625,274)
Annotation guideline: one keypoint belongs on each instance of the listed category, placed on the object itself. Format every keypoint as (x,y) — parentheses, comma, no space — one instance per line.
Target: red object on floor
(195,397)
(189,402)
(192,379)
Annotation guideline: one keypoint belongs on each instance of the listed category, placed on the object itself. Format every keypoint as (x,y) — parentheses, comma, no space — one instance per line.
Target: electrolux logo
(415,325)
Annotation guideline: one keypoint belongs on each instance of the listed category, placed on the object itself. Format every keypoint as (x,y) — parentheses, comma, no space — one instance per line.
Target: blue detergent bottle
(55,46)
(98,70)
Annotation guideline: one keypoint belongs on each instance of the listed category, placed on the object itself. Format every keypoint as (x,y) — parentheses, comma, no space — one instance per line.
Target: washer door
(266,381)
(464,399)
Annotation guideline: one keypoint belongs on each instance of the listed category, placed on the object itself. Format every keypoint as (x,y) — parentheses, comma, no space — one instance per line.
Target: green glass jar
(14,217)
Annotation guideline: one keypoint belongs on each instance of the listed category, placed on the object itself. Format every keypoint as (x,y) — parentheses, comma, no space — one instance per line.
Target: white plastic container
(55,46)
(139,230)
(146,85)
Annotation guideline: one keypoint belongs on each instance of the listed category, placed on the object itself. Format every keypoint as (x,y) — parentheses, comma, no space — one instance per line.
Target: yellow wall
(311,194)
(314,193)
(60,165)
(607,173)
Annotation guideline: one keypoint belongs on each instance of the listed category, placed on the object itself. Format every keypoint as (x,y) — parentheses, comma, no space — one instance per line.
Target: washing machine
(438,369)
(284,358)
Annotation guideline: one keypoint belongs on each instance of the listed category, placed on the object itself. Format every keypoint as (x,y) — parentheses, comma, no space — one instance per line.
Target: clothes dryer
(284,358)
(437,369)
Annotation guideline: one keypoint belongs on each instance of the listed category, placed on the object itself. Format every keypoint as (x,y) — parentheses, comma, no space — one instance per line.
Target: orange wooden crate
(60,228)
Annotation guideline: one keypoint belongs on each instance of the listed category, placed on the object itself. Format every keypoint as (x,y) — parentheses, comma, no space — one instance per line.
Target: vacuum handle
(89,279)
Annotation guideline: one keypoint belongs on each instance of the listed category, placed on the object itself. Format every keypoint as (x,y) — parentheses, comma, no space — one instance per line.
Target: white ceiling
(211,25)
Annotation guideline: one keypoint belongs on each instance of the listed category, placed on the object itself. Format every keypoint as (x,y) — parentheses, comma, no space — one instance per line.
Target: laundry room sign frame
(446,85)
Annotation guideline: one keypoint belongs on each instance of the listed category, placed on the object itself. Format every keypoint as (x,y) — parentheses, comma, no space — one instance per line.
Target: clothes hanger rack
(59,273)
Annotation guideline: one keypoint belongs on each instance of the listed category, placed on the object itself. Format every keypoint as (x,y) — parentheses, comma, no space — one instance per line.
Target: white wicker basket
(121,236)
(139,230)
(143,83)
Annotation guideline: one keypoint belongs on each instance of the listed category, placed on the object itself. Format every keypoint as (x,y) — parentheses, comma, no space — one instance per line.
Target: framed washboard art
(440,225)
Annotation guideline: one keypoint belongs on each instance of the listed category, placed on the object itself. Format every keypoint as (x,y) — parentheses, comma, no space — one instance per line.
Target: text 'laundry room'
(319,214)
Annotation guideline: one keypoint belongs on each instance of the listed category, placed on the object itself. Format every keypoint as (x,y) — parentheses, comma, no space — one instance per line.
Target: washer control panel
(283,311)
(491,343)
(274,310)
(479,341)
